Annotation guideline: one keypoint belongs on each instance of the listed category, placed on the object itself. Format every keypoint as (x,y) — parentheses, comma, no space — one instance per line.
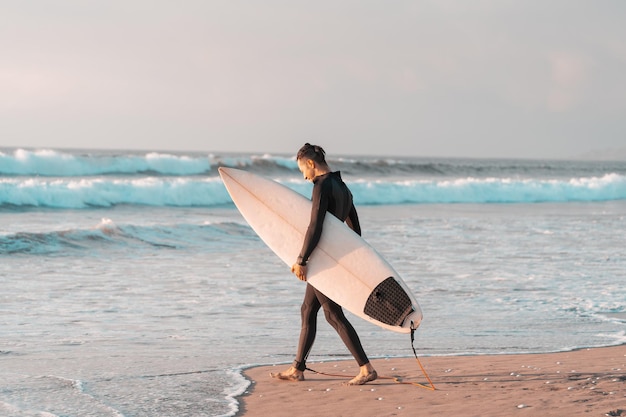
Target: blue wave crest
(71,193)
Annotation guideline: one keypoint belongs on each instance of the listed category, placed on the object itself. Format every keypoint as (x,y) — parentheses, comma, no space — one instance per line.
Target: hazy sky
(479,78)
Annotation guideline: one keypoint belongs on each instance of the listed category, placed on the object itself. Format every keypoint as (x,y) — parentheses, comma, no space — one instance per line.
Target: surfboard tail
(389,303)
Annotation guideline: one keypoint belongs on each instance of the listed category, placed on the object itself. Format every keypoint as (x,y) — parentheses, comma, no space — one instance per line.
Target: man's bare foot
(291,374)
(363,378)
(366,374)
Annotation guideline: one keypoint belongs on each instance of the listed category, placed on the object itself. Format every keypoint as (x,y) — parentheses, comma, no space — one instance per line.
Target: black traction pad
(388,303)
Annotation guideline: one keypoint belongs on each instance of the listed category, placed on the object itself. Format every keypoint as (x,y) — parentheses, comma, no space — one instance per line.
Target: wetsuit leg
(310,307)
(336,318)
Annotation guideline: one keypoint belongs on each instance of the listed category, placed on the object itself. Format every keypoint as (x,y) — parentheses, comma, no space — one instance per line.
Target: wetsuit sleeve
(319,207)
(353,220)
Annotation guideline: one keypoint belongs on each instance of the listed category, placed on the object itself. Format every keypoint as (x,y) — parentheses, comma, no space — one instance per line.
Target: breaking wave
(69,193)
(54,163)
(109,236)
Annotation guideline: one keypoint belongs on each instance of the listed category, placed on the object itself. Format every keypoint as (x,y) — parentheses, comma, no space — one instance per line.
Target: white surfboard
(343,266)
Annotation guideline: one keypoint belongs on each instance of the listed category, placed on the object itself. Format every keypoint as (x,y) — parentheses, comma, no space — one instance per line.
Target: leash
(430,385)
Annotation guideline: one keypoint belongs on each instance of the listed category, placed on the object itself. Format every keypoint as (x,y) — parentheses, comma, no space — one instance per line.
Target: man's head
(311,161)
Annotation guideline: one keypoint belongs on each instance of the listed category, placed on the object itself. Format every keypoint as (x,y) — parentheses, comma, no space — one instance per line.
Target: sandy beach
(589,382)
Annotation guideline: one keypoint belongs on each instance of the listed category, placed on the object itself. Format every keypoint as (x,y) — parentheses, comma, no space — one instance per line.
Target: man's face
(307,167)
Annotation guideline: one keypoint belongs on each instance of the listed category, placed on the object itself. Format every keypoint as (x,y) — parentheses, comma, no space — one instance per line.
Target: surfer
(330,194)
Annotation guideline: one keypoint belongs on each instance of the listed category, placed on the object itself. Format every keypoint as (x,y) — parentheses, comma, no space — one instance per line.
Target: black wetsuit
(330,194)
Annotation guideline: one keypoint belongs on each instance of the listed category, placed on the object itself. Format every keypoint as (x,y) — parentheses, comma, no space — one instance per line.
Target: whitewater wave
(53,163)
(491,190)
(104,192)
(70,193)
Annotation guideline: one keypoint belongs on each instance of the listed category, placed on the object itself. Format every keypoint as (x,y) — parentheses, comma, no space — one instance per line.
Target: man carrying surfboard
(330,194)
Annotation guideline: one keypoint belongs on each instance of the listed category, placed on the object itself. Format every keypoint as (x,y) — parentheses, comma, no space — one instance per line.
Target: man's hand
(299,271)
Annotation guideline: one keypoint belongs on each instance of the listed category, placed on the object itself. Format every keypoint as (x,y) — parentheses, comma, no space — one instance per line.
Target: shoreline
(584,380)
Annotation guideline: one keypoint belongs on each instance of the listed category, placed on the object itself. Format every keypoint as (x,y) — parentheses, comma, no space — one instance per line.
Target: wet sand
(586,382)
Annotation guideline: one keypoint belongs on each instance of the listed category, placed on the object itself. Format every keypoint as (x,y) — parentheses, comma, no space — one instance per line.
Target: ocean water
(131,286)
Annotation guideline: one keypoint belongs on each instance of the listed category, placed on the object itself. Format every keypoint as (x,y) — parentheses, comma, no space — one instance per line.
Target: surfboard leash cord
(430,385)
(397,380)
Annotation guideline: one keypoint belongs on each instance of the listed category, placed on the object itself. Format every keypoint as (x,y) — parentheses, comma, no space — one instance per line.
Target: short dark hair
(313,152)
